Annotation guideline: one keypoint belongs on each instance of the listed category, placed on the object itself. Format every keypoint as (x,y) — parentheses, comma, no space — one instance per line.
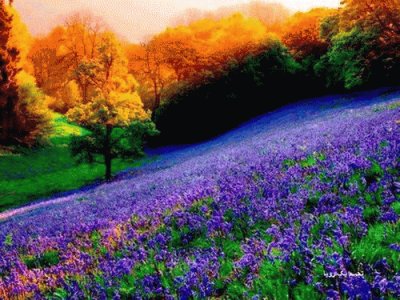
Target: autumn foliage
(23,113)
(302,33)
(109,101)
(83,70)
(192,53)
(356,46)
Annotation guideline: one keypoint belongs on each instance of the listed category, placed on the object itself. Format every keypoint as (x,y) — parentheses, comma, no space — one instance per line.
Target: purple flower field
(300,203)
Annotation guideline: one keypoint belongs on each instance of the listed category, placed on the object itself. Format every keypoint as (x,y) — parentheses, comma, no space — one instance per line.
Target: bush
(33,117)
(68,97)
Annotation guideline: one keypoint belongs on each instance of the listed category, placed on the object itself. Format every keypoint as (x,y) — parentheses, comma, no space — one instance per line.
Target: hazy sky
(133,19)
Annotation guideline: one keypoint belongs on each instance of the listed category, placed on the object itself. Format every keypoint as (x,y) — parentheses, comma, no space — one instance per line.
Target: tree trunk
(157,101)
(157,96)
(107,151)
(8,127)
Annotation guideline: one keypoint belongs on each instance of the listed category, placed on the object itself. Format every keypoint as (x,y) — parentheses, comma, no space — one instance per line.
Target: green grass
(375,245)
(38,173)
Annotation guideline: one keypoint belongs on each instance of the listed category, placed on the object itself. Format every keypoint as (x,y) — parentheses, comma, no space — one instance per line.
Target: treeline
(321,51)
(202,110)
(189,54)
(206,75)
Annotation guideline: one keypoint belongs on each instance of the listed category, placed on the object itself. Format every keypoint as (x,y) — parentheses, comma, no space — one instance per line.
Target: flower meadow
(303,203)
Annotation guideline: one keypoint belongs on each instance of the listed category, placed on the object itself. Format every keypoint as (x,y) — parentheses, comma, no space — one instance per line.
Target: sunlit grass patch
(42,172)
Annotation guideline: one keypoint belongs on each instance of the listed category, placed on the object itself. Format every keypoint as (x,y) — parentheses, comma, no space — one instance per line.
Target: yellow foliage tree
(115,104)
(21,39)
(50,68)
(56,57)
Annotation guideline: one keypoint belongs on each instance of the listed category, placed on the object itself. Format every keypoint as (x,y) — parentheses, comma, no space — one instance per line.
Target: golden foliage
(21,39)
(189,53)
(301,33)
(81,61)
(115,100)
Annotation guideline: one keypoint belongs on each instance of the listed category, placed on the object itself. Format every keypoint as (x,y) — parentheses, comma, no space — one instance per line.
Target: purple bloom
(356,287)
(283,199)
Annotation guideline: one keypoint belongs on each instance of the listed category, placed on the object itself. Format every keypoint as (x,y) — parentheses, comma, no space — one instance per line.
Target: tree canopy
(23,114)
(113,105)
(85,71)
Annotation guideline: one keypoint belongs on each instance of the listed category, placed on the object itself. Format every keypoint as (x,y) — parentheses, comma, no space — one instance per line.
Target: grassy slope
(43,172)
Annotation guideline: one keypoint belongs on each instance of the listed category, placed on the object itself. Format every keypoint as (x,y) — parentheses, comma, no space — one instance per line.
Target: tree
(56,57)
(302,33)
(193,53)
(114,110)
(225,100)
(378,14)
(9,58)
(148,63)
(179,55)
(81,43)
(346,62)
(51,66)
(153,69)
(383,19)
(33,116)
(330,28)
(24,117)
(364,44)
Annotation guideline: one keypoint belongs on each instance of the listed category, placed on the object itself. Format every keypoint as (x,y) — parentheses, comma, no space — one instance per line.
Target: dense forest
(226,65)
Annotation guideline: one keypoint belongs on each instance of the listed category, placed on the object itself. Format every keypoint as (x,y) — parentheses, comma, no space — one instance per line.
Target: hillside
(45,171)
(301,203)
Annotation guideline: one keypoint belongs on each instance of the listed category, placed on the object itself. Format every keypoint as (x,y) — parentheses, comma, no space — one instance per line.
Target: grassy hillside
(42,172)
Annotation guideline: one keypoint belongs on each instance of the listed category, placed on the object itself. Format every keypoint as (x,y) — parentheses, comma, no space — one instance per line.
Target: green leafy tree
(347,61)
(330,28)
(33,116)
(114,114)
(381,17)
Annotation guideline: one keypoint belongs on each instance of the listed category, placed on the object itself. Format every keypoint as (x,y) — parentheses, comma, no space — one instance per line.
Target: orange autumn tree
(82,43)
(381,18)
(147,64)
(179,54)
(23,114)
(51,69)
(114,111)
(56,57)
(301,34)
(192,53)
(382,15)
(222,41)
